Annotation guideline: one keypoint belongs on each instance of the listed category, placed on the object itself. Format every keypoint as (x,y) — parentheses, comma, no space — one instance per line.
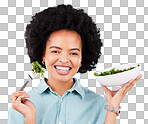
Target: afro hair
(63,17)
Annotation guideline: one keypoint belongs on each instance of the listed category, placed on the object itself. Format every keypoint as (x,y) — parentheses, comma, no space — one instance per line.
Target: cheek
(76,62)
(50,60)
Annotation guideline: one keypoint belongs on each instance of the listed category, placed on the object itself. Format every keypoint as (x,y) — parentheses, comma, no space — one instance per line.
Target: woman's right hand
(24,106)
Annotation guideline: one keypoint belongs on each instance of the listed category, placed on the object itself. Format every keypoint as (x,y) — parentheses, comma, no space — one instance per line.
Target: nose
(64,58)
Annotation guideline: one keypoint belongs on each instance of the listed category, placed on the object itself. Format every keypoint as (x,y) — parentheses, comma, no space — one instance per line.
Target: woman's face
(63,55)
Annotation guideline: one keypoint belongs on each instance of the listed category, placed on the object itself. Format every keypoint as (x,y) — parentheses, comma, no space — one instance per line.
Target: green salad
(113,71)
(37,68)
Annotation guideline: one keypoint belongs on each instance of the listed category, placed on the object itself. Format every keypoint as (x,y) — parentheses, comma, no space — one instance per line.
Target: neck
(60,87)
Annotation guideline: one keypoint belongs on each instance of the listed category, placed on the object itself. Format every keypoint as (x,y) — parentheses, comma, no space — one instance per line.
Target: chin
(63,78)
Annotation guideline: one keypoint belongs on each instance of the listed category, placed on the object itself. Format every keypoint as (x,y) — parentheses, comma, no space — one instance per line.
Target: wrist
(30,120)
(112,109)
(30,116)
(113,114)
(110,117)
(113,105)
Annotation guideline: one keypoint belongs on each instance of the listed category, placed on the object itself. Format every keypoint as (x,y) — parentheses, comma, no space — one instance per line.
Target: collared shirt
(78,105)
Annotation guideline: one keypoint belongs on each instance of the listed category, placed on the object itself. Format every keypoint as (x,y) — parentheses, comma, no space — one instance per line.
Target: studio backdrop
(124,33)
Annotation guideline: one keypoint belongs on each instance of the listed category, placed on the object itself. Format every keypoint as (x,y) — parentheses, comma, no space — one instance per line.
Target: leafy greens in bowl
(118,75)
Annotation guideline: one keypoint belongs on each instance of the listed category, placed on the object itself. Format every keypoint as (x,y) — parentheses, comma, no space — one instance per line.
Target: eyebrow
(61,48)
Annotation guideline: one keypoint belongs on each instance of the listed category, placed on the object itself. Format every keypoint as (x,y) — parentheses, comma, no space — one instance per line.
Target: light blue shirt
(78,105)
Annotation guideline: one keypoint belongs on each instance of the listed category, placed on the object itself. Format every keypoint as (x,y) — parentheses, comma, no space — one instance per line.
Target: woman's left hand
(114,98)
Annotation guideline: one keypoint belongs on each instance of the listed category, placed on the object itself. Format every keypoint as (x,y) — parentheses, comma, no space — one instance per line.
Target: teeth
(62,68)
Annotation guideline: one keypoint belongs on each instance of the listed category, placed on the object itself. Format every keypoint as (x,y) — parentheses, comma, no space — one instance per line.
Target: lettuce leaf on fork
(37,68)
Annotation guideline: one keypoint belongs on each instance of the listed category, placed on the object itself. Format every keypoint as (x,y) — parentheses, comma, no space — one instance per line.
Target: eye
(54,51)
(74,53)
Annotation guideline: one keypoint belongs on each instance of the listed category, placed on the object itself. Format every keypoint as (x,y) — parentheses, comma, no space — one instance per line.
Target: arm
(30,120)
(15,117)
(22,110)
(114,98)
(110,118)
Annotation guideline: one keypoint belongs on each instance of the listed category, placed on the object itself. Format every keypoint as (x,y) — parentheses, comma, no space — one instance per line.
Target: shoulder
(91,95)
(35,96)
(33,91)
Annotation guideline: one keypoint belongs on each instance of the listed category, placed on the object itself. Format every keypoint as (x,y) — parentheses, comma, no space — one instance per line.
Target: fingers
(140,76)
(18,99)
(21,98)
(133,83)
(15,96)
(130,84)
(127,84)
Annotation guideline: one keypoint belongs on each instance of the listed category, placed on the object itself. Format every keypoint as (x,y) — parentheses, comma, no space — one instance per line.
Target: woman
(65,41)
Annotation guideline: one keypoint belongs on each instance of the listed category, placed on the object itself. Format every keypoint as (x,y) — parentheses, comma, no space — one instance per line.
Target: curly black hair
(64,17)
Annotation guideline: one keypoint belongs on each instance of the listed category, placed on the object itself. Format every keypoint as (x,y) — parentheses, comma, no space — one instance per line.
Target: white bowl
(121,78)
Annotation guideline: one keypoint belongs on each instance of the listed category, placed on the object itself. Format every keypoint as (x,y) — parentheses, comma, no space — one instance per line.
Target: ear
(43,55)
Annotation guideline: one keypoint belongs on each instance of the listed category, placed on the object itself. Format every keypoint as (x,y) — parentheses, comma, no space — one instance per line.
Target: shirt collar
(76,86)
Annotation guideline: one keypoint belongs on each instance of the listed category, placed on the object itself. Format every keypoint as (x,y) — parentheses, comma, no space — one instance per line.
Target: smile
(62,70)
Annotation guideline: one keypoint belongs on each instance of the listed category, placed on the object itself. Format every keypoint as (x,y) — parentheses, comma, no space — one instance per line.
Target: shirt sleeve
(15,117)
(102,116)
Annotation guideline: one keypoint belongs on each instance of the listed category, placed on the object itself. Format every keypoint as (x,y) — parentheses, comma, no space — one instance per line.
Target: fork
(31,76)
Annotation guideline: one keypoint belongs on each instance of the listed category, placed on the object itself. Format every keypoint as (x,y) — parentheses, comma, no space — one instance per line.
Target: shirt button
(60,122)
(70,91)
(61,101)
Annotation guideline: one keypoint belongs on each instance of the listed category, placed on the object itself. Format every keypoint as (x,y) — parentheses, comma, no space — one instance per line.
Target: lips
(62,70)
(62,66)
